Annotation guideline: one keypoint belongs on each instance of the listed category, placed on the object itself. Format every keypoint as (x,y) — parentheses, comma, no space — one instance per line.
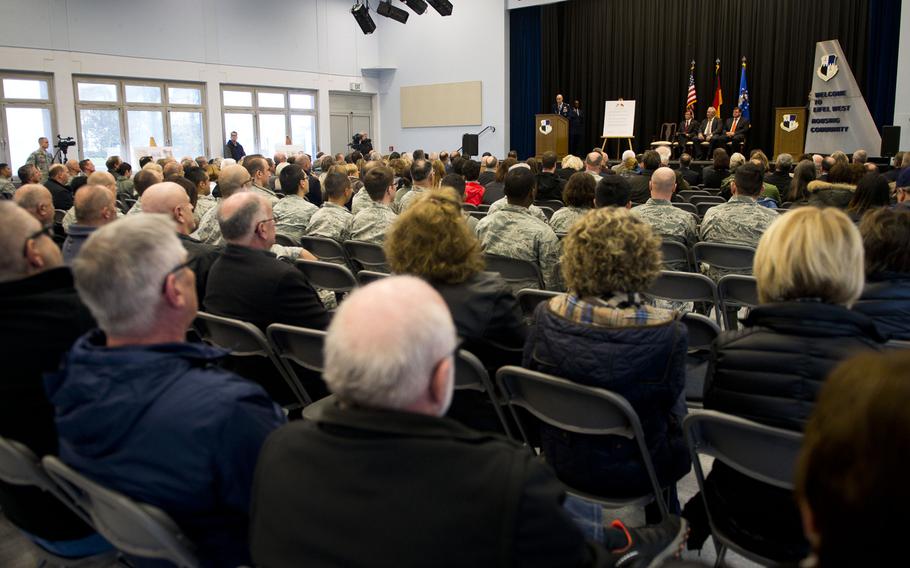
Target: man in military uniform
(371,223)
(513,230)
(741,220)
(422,180)
(41,158)
(293,213)
(258,169)
(332,219)
(666,220)
(7,189)
(231,180)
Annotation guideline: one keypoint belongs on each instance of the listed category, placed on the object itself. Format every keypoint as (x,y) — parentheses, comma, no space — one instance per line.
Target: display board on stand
(619,121)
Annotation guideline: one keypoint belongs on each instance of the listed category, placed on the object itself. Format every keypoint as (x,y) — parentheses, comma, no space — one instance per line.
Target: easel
(628,140)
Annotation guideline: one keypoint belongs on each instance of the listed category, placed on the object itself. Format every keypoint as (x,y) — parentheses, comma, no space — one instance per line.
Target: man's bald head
(19,227)
(245,218)
(103,178)
(72,167)
(170,199)
(172,169)
(405,364)
(37,200)
(95,205)
(663,183)
(233,179)
(593,161)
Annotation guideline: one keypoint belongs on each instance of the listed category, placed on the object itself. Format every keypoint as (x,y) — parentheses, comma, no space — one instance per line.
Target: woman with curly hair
(578,195)
(602,334)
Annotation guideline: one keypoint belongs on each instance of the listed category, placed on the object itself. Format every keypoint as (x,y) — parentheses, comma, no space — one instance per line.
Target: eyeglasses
(45,230)
(269,220)
(174,270)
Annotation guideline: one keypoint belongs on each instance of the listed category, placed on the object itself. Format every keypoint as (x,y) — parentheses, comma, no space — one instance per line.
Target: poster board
(444,104)
(291,149)
(619,119)
(156,152)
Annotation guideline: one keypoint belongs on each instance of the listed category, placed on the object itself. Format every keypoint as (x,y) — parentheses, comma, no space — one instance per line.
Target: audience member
(594,165)
(231,180)
(125,184)
(394,383)
(886,297)
(72,168)
(578,196)
(860,157)
(513,231)
(780,177)
(87,167)
(142,412)
(37,200)
(259,172)
(712,176)
(95,207)
(803,175)
(837,189)
(901,163)
(549,185)
(373,221)
(495,190)
(293,213)
(628,164)
(203,188)
(423,178)
(7,189)
(741,220)
(332,219)
(872,192)
(473,191)
(488,170)
(809,271)
(613,191)
(666,220)
(29,174)
(56,184)
(640,183)
(685,170)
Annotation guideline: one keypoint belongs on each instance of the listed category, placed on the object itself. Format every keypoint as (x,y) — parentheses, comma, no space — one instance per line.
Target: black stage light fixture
(361,12)
(444,7)
(417,6)
(386,9)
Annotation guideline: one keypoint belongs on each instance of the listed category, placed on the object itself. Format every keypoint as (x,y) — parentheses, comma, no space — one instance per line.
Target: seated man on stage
(709,128)
(687,132)
(734,131)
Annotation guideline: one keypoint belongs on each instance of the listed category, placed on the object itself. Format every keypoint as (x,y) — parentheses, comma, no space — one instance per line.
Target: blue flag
(743,103)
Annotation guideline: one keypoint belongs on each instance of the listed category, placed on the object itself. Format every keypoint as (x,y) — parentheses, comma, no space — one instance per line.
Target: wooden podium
(552,134)
(789,135)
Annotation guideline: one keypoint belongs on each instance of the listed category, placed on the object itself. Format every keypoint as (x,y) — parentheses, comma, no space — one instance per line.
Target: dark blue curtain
(524,83)
(881,59)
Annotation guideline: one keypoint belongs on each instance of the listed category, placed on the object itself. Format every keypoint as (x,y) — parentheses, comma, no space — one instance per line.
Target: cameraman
(362,144)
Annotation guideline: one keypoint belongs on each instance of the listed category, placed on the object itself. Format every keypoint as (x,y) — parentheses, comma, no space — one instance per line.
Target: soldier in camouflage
(534,210)
(740,221)
(41,158)
(258,169)
(578,195)
(293,213)
(230,180)
(667,221)
(371,223)
(422,180)
(514,231)
(332,219)
(7,189)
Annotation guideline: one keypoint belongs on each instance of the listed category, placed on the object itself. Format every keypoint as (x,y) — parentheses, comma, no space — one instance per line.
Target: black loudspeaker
(469,144)
(891,139)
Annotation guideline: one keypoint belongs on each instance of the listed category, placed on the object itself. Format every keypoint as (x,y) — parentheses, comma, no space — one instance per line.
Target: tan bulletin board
(444,104)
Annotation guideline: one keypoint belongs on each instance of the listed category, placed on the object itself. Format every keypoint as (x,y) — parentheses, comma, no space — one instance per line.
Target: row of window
(123,116)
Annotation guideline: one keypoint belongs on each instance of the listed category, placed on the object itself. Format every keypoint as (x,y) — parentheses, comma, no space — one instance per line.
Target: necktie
(708,126)
(734,125)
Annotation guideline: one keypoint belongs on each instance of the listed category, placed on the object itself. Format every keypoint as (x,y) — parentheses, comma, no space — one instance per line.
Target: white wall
(902,96)
(469,45)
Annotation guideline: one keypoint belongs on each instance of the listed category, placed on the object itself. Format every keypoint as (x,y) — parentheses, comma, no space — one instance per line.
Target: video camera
(64,143)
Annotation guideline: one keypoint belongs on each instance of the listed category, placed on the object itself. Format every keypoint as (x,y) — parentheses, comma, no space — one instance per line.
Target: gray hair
(736,160)
(664,153)
(17,225)
(784,162)
(388,367)
(860,156)
(31,195)
(120,270)
(240,224)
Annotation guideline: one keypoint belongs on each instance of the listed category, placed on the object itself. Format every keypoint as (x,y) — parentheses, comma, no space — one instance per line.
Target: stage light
(394,12)
(417,6)
(444,7)
(361,12)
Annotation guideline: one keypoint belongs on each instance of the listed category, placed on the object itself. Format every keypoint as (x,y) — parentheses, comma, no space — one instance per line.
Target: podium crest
(789,124)
(545,127)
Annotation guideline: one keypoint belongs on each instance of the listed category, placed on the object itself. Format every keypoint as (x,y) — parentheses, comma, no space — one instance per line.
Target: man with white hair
(387,441)
(95,207)
(593,165)
(40,317)
(818,160)
(780,177)
(628,157)
(860,156)
(37,200)
(72,170)
(141,411)
(666,220)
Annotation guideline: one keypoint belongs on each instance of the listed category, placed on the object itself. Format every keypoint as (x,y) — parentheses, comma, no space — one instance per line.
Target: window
(26,114)
(264,117)
(117,116)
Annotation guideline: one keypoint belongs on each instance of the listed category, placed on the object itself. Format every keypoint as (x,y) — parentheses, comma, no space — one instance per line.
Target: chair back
(529,298)
(134,528)
(325,249)
(327,275)
(367,256)
(736,291)
(727,257)
(483,207)
(59,214)
(688,207)
(675,255)
(575,408)
(706,198)
(364,277)
(470,374)
(285,240)
(553,204)
(480,214)
(547,211)
(702,331)
(298,344)
(468,207)
(684,287)
(687,193)
(514,270)
(702,208)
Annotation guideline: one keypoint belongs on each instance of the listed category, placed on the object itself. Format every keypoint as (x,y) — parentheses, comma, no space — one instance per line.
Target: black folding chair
(471,375)
(687,207)
(134,528)
(515,271)
(733,258)
(686,287)
(582,410)
(529,298)
(687,193)
(696,199)
(328,276)
(325,249)
(553,204)
(468,207)
(702,333)
(364,277)
(736,291)
(675,256)
(367,256)
(59,215)
(244,340)
(480,214)
(547,211)
(285,240)
(703,208)
(760,452)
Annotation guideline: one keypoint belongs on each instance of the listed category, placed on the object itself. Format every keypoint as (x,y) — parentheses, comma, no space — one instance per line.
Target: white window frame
(26,103)
(255,110)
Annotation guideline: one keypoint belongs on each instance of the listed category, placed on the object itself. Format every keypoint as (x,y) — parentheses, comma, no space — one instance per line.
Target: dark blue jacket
(886,299)
(647,366)
(165,426)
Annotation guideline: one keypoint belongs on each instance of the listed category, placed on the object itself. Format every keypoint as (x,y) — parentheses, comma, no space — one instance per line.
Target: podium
(552,134)
(789,134)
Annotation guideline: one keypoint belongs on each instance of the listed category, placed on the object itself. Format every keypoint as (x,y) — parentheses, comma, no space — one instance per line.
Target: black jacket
(62,196)
(484,309)
(549,186)
(493,191)
(640,184)
(690,175)
(486,177)
(201,256)
(886,300)
(406,490)
(713,178)
(254,286)
(40,318)
(781,181)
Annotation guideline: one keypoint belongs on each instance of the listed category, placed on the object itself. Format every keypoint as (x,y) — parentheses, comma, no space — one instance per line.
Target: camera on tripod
(64,143)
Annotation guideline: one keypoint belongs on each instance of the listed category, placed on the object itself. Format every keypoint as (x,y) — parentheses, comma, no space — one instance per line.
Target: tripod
(59,156)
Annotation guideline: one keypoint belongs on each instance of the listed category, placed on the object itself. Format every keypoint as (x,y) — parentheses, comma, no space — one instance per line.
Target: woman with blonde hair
(602,334)
(809,272)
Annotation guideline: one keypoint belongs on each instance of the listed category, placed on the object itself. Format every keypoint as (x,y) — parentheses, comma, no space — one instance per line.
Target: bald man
(95,207)
(169,198)
(667,221)
(231,180)
(103,179)
(37,200)
(72,170)
(248,282)
(56,184)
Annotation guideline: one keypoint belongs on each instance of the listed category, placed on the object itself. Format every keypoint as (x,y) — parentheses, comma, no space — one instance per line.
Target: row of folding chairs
(728,257)
(355,255)
(731,293)
(480,214)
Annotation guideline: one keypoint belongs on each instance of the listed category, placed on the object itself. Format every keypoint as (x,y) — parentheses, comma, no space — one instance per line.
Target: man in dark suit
(576,128)
(560,108)
(549,185)
(686,171)
(641,183)
(248,282)
(56,184)
(687,131)
(709,128)
(735,129)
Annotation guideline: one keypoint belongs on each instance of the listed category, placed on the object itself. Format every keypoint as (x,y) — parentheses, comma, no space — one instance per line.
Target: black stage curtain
(595,50)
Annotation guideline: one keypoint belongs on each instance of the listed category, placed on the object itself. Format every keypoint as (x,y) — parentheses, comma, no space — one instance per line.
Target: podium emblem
(545,127)
(789,124)
(828,69)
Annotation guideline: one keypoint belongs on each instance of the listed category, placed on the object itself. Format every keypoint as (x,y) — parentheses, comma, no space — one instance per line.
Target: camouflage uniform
(70,217)
(125,188)
(208,230)
(563,218)
(360,201)
(330,221)
(7,189)
(271,195)
(500,203)
(203,204)
(669,222)
(516,232)
(739,221)
(292,215)
(41,160)
(370,224)
(136,208)
(409,197)
(471,221)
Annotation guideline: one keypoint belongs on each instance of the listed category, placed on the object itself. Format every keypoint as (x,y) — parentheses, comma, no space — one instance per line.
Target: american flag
(691,98)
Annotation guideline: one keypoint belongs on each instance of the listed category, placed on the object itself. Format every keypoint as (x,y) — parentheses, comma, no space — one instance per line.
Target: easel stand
(618,143)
